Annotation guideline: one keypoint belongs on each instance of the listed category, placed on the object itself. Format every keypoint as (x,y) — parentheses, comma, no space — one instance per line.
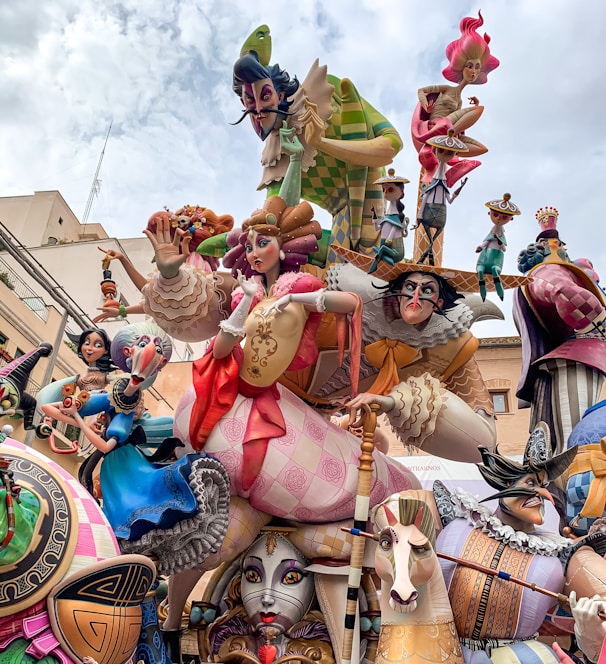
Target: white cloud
(161,72)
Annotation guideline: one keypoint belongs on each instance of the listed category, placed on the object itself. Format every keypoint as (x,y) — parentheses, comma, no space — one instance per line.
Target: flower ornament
(201,223)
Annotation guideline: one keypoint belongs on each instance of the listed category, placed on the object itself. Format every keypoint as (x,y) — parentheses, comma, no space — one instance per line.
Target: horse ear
(419,518)
(391,519)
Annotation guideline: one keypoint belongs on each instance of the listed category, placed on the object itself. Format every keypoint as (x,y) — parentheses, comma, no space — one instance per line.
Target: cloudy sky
(160,71)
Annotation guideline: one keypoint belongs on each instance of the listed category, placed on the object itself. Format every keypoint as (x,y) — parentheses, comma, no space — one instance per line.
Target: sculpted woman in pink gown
(284,457)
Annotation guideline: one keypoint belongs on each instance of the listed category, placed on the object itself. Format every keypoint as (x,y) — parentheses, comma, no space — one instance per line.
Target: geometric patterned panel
(461,280)
(125,585)
(97,612)
(485,607)
(95,537)
(51,550)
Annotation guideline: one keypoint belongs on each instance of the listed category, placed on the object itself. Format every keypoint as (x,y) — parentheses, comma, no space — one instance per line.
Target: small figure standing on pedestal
(492,249)
(432,211)
(108,286)
(394,225)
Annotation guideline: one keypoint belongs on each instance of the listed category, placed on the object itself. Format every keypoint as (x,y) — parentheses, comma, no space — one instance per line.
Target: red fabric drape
(216,386)
(217,383)
(264,422)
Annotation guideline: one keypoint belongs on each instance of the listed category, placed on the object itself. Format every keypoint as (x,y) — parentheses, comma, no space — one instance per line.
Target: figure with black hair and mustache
(498,619)
(418,364)
(341,163)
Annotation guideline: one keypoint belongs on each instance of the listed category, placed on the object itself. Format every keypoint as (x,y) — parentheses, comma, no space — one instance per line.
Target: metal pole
(48,373)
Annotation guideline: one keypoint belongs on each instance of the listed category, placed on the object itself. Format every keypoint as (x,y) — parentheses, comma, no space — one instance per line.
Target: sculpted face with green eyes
(419,298)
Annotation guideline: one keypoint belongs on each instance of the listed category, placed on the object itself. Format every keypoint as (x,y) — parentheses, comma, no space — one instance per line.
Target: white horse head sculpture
(416,619)
(405,560)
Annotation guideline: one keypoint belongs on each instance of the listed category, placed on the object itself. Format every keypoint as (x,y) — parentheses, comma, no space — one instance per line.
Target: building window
(3,340)
(19,353)
(72,433)
(34,303)
(60,221)
(500,402)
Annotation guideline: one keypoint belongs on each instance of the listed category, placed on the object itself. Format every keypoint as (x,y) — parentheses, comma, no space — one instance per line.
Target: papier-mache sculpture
(339,164)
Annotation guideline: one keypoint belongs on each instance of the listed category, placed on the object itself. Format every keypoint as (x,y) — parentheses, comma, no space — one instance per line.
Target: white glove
(314,299)
(589,628)
(234,325)
(249,286)
(278,306)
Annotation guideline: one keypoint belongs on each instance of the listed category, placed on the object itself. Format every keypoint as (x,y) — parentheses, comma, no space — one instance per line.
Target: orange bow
(389,355)
(592,458)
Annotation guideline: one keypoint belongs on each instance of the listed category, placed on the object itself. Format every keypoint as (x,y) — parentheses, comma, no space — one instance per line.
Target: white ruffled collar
(439,329)
(479,516)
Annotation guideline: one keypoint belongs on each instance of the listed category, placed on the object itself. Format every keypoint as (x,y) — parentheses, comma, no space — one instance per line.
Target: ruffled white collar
(478,516)
(439,329)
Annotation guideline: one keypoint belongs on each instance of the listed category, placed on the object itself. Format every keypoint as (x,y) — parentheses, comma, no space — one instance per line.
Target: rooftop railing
(21,290)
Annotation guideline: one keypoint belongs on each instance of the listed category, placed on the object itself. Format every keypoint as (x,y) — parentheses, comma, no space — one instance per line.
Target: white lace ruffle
(439,329)
(468,507)
(226,326)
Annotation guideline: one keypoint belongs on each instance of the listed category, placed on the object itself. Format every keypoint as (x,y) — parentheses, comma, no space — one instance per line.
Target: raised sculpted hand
(278,306)
(289,143)
(314,125)
(170,252)
(110,255)
(106,312)
(69,408)
(589,625)
(249,286)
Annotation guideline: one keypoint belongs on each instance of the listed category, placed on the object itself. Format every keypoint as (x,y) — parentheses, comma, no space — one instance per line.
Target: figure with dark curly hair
(418,364)
(341,162)
(93,347)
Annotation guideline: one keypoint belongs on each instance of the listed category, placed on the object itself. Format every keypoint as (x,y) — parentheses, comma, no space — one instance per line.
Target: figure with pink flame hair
(440,107)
